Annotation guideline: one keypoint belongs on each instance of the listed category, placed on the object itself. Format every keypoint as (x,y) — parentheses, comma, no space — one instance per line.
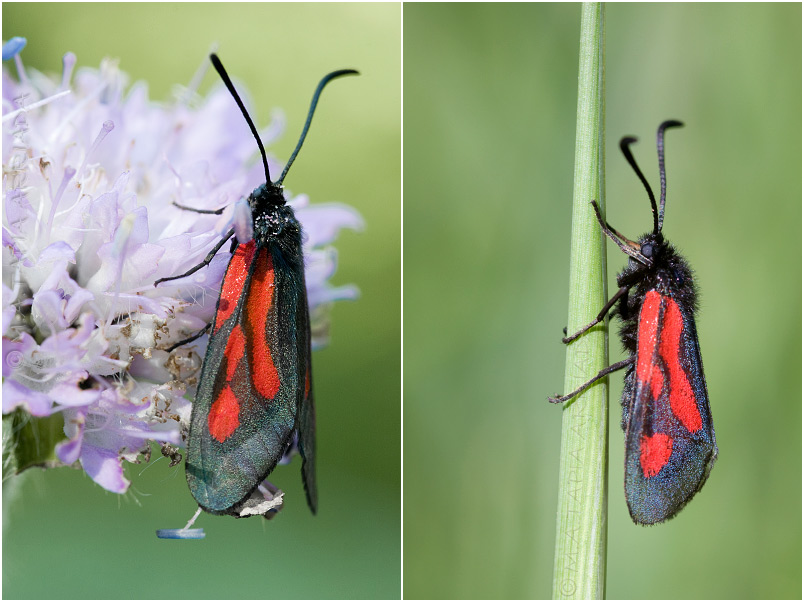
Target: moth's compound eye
(647,249)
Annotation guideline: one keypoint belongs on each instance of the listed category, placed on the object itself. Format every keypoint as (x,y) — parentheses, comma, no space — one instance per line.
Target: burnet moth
(669,438)
(255,398)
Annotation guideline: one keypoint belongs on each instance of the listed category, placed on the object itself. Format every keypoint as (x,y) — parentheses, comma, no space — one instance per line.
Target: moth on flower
(92,172)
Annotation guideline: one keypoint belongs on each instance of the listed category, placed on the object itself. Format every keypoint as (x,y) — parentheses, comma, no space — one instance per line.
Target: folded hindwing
(307,407)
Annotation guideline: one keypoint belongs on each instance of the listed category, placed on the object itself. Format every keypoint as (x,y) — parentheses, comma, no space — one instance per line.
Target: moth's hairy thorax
(275,224)
(669,274)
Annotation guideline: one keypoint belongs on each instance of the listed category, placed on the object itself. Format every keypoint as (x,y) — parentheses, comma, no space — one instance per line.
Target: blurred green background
(490,95)
(65,537)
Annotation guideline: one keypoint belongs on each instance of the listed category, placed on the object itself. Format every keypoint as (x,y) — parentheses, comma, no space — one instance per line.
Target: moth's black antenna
(624,144)
(327,78)
(672,123)
(216,62)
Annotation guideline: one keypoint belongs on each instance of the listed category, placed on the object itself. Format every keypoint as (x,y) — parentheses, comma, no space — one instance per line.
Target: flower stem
(30,441)
(581,528)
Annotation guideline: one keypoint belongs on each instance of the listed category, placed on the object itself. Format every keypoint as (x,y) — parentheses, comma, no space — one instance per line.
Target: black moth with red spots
(669,438)
(255,401)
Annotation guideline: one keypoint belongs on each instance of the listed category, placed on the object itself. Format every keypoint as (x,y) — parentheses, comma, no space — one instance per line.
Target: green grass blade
(581,527)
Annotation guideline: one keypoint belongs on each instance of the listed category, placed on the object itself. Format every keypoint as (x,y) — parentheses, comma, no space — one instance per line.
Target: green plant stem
(30,441)
(581,528)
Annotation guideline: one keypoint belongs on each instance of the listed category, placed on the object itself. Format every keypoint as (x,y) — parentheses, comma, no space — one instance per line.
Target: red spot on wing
(656,381)
(234,281)
(224,415)
(654,452)
(258,304)
(648,329)
(667,341)
(307,384)
(682,397)
(235,349)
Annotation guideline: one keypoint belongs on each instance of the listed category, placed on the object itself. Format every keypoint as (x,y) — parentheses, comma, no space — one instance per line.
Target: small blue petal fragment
(13,47)
(180,533)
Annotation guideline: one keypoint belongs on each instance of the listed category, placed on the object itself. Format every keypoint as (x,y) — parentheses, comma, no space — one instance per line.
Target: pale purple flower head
(91,169)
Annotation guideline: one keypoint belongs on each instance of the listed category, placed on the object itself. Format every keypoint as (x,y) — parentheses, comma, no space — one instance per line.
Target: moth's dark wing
(670,442)
(307,407)
(246,406)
